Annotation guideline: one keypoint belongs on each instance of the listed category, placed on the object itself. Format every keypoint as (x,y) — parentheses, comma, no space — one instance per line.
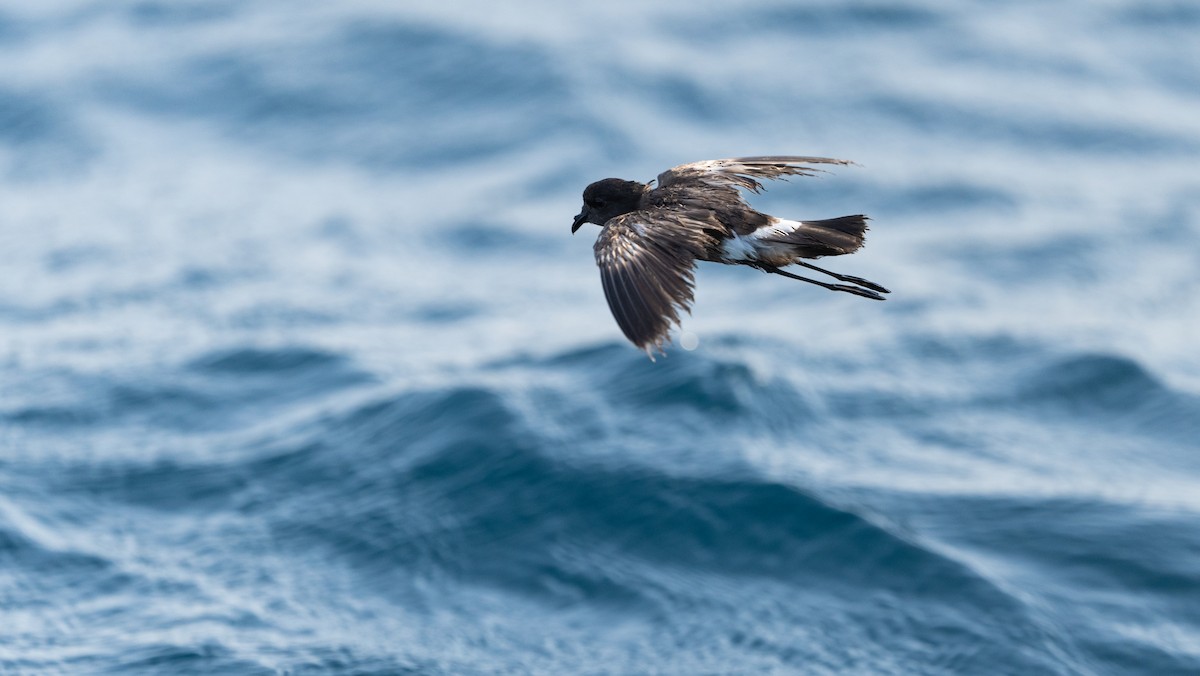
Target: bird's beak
(579,220)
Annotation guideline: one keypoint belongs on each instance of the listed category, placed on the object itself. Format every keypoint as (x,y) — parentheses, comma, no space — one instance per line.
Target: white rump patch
(747,247)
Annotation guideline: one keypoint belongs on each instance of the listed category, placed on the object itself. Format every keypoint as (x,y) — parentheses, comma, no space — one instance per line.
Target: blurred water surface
(303,372)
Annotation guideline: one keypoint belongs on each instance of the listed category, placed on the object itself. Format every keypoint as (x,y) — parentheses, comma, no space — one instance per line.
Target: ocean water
(301,370)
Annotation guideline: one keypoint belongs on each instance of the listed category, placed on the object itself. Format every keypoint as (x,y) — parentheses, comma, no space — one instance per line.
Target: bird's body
(652,236)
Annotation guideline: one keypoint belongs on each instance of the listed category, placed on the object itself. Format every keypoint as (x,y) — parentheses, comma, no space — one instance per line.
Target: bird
(652,236)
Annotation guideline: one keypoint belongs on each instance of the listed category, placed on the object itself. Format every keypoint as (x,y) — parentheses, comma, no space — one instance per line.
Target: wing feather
(646,263)
(743,171)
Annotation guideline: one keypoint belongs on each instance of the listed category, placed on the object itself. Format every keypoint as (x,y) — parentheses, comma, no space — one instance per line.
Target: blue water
(302,371)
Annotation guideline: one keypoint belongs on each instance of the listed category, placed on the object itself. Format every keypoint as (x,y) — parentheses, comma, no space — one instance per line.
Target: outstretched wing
(743,171)
(646,265)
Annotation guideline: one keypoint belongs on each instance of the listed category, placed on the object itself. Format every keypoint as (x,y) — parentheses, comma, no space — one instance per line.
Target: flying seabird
(651,237)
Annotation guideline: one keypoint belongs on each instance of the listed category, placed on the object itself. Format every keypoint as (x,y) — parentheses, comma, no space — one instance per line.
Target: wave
(358,80)
(1110,390)
(454,485)
(467,491)
(221,389)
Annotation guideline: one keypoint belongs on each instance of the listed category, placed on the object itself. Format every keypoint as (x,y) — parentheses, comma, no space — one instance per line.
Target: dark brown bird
(653,236)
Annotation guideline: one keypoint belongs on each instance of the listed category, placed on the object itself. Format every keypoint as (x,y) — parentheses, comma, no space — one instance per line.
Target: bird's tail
(830,237)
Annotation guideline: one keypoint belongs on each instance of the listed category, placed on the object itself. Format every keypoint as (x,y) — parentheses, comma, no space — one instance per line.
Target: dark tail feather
(830,237)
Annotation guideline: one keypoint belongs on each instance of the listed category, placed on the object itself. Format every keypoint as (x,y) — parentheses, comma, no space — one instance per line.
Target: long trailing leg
(846,278)
(858,291)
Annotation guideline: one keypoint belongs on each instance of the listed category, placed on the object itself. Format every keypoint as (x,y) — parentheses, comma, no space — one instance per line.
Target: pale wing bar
(743,171)
(647,275)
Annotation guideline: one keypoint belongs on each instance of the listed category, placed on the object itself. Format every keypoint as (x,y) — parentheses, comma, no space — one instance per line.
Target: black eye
(596,204)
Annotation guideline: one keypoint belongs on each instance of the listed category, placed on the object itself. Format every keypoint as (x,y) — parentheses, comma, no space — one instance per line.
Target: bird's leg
(865,293)
(846,278)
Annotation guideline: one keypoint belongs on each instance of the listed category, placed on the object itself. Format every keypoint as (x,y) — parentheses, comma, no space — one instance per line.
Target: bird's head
(608,199)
